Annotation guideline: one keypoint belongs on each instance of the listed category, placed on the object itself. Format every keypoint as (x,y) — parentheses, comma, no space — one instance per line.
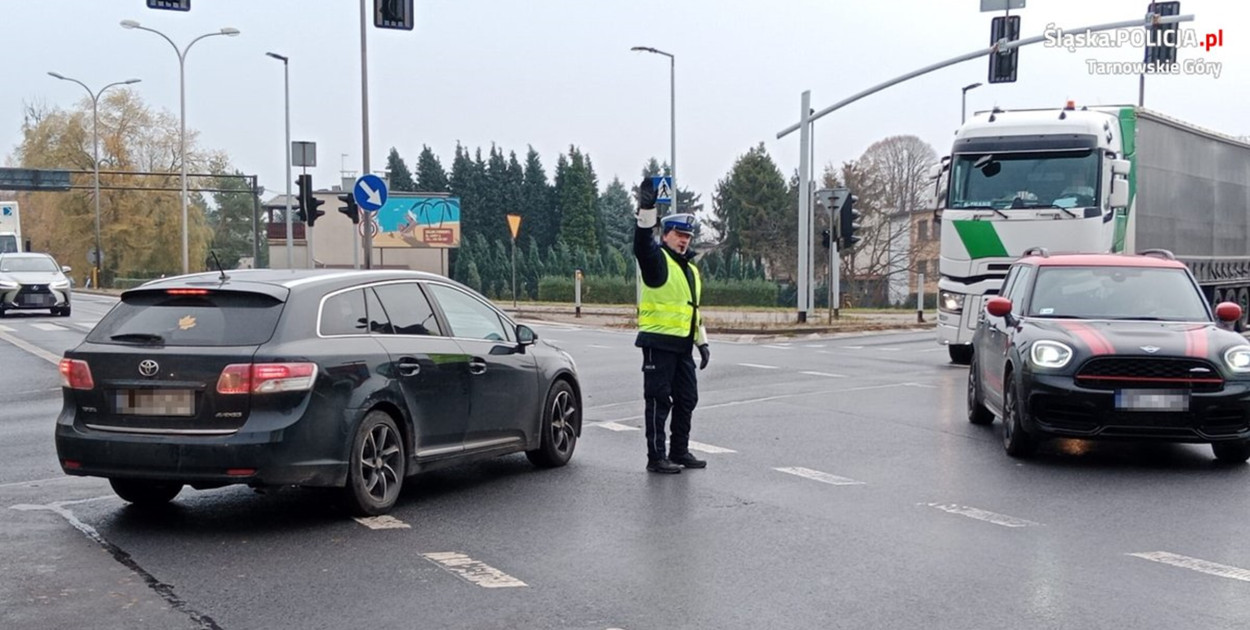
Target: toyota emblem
(148,367)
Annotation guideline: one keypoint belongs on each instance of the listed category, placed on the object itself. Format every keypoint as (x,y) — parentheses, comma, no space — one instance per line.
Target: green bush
(595,289)
(739,293)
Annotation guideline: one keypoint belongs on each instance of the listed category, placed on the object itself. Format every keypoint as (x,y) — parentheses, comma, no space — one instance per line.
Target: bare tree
(889,180)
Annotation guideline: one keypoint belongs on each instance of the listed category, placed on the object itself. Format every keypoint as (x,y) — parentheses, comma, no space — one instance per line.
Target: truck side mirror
(1121,167)
(1119,193)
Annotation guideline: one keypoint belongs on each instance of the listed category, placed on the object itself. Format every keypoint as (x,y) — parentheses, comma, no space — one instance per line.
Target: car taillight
(266,378)
(76,374)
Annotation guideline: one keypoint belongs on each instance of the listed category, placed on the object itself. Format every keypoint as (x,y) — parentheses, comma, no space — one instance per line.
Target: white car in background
(33,281)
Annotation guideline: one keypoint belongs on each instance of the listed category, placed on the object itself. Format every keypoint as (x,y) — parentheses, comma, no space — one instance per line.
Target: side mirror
(65,269)
(998,306)
(1119,193)
(1228,312)
(525,335)
(1121,167)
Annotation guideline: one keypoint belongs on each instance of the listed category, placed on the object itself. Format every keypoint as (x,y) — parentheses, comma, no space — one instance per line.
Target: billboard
(418,221)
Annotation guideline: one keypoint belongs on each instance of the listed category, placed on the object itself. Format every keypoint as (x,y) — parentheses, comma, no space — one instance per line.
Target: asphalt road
(845,490)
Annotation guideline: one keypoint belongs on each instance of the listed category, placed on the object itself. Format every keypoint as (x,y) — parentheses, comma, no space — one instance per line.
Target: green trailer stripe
(980,239)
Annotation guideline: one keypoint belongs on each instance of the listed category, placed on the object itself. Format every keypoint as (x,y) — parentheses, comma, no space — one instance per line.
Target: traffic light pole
(835,279)
(806,118)
(366,238)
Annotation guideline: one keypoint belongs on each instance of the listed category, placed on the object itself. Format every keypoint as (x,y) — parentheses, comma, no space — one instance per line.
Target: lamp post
(286,80)
(182,106)
(963,101)
(672,113)
(95,162)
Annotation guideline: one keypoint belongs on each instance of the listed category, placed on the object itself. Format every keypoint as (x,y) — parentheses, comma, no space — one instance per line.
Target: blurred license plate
(156,402)
(1152,400)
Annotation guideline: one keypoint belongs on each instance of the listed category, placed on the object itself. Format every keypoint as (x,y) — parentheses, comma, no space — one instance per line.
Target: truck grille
(1199,375)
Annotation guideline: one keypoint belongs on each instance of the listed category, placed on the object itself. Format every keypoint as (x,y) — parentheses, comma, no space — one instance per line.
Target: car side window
(1020,289)
(410,312)
(468,316)
(379,323)
(344,314)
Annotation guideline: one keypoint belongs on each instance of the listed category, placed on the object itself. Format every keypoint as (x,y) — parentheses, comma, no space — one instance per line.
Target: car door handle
(408,367)
(477,366)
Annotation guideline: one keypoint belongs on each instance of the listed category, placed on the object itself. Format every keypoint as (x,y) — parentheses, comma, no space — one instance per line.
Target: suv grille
(1150,372)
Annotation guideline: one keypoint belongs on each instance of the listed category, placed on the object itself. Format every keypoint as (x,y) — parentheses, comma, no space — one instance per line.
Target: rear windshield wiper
(139,338)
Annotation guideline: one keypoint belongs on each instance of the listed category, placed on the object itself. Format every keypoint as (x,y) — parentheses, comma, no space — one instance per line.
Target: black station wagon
(348,379)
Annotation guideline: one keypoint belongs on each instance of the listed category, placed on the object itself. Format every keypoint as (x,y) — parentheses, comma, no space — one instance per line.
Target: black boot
(663,466)
(689,461)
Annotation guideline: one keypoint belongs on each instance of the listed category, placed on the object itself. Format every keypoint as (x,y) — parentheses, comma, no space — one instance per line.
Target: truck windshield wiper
(991,208)
(139,338)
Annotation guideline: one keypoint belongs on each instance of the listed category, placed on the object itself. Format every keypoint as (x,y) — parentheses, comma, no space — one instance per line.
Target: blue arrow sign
(663,188)
(370,192)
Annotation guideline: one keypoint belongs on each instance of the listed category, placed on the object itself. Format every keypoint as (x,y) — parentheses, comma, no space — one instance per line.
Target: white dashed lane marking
(7,329)
(382,522)
(826,374)
(472,571)
(816,475)
(982,515)
(1194,564)
(776,347)
(708,448)
(599,347)
(757,365)
(613,426)
(48,327)
(86,325)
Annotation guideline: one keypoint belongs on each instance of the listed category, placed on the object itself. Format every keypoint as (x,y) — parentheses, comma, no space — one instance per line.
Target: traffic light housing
(825,239)
(1162,38)
(349,207)
(301,183)
(849,223)
(1003,63)
(309,204)
(393,14)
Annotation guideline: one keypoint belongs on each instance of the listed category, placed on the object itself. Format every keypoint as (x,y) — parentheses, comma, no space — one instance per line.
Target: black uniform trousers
(669,384)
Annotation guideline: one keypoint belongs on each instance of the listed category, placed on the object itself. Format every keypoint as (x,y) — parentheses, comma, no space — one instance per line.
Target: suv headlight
(60,284)
(1052,354)
(953,302)
(8,284)
(1238,358)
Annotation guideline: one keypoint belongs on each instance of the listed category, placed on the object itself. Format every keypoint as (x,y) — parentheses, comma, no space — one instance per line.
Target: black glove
(705,355)
(646,194)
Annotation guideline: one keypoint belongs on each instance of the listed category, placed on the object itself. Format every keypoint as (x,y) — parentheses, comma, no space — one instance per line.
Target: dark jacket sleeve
(650,258)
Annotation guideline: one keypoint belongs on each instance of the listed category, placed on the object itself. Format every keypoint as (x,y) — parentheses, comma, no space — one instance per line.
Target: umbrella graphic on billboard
(419,222)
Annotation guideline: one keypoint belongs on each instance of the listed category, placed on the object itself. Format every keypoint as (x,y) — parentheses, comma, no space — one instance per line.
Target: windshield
(28,263)
(1000,181)
(1149,293)
(8,243)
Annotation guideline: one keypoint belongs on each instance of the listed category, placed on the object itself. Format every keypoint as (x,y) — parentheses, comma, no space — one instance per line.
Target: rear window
(216,319)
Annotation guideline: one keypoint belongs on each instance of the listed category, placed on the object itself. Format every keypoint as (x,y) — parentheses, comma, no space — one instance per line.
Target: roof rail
(1037,251)
(1158,253)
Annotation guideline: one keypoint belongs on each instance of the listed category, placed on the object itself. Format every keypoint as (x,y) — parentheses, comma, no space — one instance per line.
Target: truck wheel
(960,354)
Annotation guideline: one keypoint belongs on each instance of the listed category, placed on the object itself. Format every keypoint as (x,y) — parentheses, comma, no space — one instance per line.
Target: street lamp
(286,80)
(672,91)
(963,101)
(95,162)
(182,106)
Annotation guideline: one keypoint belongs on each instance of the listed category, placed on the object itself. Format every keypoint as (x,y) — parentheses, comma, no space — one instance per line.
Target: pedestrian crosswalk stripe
(816,475)
(472,571)
(708,448)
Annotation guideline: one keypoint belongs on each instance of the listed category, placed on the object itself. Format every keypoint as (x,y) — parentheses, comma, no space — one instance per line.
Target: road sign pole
(367,238)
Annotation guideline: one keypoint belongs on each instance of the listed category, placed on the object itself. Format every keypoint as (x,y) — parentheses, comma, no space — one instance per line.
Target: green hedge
(614,290)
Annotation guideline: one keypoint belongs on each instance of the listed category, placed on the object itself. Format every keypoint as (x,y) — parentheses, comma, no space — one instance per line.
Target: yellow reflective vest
(670,309)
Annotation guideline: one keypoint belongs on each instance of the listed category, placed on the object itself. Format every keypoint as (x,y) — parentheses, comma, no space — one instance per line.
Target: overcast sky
(557,72)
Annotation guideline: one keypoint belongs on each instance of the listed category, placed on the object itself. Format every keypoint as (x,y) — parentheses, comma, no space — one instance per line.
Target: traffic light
(393,14)
(1003,62)
(298,205)
(1161,39)
(849,219)
(824,238)
(308,202)
(349,207)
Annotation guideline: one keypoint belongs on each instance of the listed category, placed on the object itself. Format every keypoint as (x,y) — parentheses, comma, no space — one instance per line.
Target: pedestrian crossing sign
(663,188)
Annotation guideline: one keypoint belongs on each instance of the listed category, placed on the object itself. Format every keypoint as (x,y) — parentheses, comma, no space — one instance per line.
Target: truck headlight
(1238,358)
(953,302)
(1052,354)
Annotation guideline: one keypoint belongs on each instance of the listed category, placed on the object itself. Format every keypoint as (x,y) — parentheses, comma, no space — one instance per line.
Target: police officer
(670,327)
